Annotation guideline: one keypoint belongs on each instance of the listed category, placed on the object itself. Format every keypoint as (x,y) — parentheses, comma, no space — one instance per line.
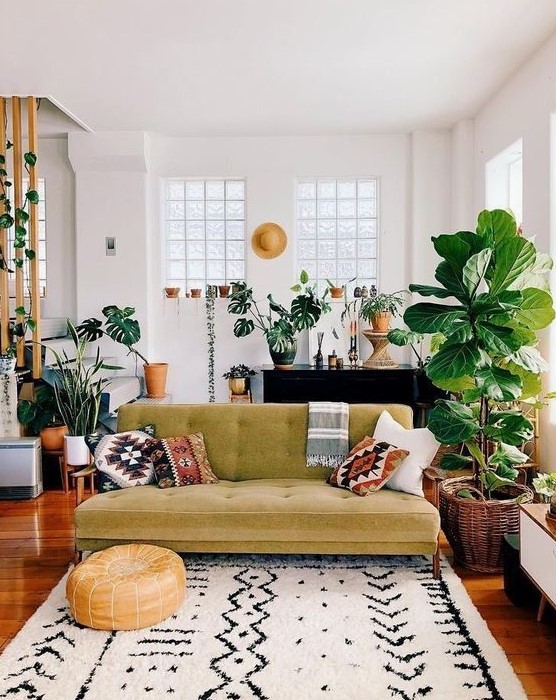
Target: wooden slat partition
(4,286)
(17,202)
(33,231)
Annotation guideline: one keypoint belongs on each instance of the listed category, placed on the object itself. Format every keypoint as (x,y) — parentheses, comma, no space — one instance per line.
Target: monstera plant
(279,325)
(494,297)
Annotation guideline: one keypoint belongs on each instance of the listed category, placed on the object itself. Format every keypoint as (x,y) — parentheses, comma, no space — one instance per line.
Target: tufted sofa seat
(267,500)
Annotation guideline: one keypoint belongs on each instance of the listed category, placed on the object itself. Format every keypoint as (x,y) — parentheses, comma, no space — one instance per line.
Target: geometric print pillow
(120,457)
(368,466)
(180,461)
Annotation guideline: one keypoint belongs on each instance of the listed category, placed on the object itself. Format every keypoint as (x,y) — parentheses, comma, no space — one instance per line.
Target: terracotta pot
(172,292)
(196,293)
(155,379)
(336,292)
(381,321)
(52,437)
(224,290)
(76,452)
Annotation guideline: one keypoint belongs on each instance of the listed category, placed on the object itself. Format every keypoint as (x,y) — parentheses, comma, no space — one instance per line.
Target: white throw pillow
(422,447)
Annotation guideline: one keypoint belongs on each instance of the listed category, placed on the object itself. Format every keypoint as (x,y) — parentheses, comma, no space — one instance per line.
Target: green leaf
(32,196)
(31,324)
(6,221)
(296,288)
(452,423)
(401,337)
(452,248)
(20,231)
(496,225)
(498,384)
(529,358)
(276,307)
(304,277)
(532,383)
(456,385)
(466,493)
(536,310)
(510,427)
(21,214)
(474,271)
(453,460)
(30,254)
(506,456)
(90,329)
(513,257)
(452,280)
(492,481)
(19,310)
(305,311)
(427,291)
(454,361)
(425,317)
(497,340)
(243,327)
(30,158)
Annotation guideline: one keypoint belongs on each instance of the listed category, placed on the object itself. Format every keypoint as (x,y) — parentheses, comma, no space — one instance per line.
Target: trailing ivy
(209,305)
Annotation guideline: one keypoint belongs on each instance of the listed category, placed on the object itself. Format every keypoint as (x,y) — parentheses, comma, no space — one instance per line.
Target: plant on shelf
(545,485)
(337,291)
(489,358)
(238,377)
(42,416)
(280,325)
(121,327)
(379,309)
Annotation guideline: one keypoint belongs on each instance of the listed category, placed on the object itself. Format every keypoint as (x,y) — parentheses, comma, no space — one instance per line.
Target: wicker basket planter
(475,529)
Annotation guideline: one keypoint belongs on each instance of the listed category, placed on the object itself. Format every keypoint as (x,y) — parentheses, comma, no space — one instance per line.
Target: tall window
(337,228)
(504,181)
(205,232)
(41,252)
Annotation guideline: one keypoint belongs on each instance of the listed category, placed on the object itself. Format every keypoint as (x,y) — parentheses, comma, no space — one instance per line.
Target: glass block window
(205,232)
(41,252)
(337,228)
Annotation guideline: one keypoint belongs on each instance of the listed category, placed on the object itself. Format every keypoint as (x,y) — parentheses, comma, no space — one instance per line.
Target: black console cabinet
(304,383)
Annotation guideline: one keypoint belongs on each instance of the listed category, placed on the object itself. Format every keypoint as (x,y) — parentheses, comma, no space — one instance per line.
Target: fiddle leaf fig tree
(494,295)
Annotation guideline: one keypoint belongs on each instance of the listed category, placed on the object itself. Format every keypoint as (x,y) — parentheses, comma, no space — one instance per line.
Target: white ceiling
(265,67)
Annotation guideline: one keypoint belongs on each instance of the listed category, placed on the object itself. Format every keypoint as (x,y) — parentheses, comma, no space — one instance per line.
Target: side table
(538,551)
(65,469)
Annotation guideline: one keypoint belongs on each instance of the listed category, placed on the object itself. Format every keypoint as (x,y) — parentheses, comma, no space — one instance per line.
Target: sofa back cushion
(253,441)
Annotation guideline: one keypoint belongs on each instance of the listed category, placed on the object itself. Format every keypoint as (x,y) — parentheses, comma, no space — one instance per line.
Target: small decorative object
(545,486)
(318,356)
(551,512)
(353,357)
(211,291)
(269,240)
(364,292)
(357,293)
(224,291)
(172,292)
(196,293)
(337,291)
(339,363)
(380,358)
(238,377)
(332,360)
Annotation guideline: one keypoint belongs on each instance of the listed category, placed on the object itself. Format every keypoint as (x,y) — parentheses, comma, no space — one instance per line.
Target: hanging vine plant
(18,218)
(209,305)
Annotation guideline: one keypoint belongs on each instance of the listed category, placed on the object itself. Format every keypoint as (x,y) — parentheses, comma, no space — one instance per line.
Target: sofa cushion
(122,459)
(368,467)
(260,515)
(422,446)
(180,461)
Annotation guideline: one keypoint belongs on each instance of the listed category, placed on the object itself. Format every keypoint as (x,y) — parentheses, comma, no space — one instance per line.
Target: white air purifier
(20,468)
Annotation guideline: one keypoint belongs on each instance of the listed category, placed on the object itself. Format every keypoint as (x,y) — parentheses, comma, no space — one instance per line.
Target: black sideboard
(304,383)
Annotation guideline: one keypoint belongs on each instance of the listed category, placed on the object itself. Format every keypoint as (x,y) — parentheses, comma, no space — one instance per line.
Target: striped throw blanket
(327,436)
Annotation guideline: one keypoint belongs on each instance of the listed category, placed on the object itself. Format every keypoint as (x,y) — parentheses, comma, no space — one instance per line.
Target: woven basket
(475,529)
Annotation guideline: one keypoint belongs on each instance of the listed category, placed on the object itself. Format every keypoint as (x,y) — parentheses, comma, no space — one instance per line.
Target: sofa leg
(436,564)
(77,556)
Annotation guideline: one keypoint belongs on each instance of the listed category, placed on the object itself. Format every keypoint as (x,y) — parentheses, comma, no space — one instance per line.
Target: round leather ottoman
(126,587)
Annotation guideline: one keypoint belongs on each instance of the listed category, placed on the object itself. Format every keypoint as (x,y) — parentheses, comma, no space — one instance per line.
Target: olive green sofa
(267,500)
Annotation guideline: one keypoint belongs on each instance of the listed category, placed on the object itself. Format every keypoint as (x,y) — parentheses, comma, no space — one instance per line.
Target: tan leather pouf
(126,587)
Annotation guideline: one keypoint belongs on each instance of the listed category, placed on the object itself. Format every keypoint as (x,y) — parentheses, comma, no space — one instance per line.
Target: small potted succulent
(238,377)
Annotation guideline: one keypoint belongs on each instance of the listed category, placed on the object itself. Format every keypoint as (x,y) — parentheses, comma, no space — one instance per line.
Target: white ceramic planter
(76,452)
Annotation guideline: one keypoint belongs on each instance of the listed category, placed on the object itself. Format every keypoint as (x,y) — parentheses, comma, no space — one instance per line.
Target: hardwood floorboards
(36,547)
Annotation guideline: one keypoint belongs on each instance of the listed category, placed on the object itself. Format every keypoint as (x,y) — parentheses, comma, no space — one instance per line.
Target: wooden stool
(66,469)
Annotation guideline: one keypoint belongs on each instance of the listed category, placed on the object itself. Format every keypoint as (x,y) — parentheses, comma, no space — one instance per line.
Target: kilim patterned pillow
(368,466)
(120,456)
(180,461)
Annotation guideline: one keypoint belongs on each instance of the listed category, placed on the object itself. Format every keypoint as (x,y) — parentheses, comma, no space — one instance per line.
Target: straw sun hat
(269,240)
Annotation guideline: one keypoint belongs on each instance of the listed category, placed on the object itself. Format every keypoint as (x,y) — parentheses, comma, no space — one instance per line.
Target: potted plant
(43,417)
(338,291)
(545,485)
(122,328)
(489,360)
(238,377)
(280,325)
(379,309)
(77,389)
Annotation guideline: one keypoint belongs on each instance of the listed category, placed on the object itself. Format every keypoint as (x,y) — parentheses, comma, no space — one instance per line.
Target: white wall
(523,108)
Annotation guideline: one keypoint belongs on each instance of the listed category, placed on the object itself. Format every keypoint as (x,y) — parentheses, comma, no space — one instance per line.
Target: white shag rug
(276,628)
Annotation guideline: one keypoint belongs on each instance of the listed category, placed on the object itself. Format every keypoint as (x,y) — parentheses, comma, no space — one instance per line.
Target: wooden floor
(36,546)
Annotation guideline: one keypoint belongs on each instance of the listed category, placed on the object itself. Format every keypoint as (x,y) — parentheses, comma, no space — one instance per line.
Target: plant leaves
(513,257)
(536,310)
(498,384)
(428,291)
(426,317)
(451,279)
(496,225)
(452,422)
(243,326)
(304,277)
(453,460)
(491,480)
(510,427)
(453,249)
(497,340)
(531,381)
(454,361)
(474,271)
(401,337)
(530,358)
(305,311)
